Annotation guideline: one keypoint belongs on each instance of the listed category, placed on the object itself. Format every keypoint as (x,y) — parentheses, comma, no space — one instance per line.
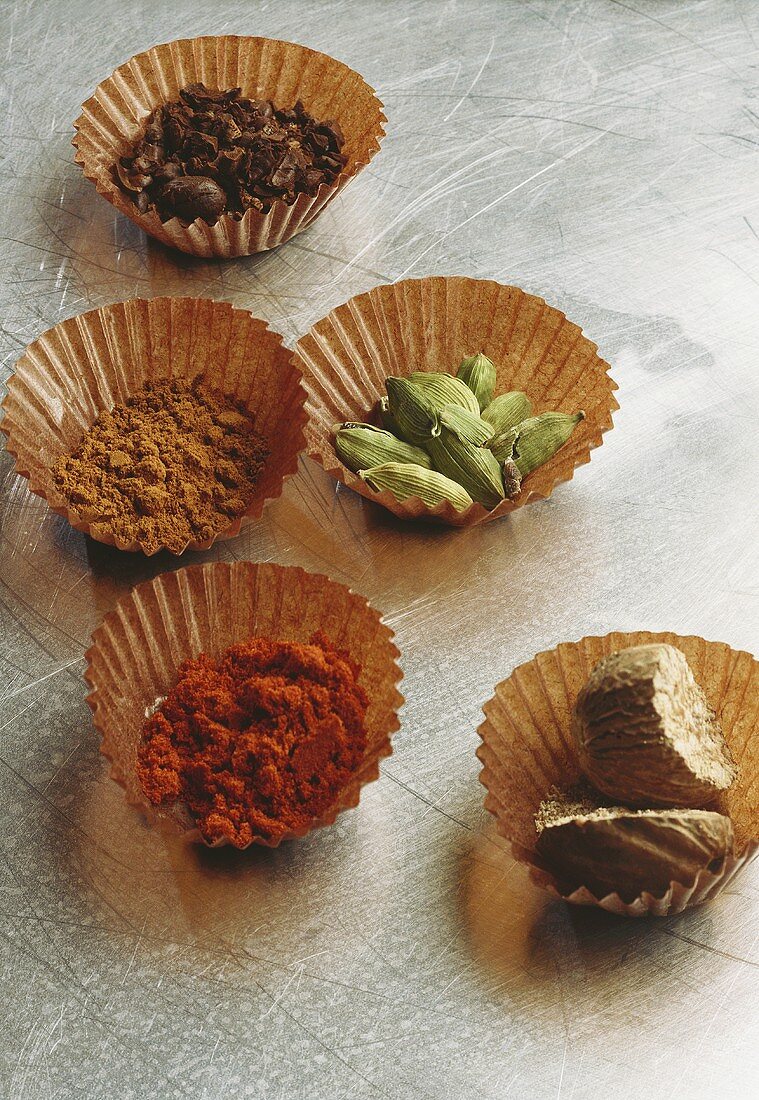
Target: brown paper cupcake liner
(138,647)
(431,324)
(527,748)
(264,68)
(92,362)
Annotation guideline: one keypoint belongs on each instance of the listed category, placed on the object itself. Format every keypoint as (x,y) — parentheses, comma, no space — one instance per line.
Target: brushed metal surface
(604,155)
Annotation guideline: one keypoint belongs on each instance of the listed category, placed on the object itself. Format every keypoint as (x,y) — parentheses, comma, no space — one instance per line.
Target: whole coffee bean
(191,197)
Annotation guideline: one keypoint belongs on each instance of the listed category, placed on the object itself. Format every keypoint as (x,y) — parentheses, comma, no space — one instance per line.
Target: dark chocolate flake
(210,153)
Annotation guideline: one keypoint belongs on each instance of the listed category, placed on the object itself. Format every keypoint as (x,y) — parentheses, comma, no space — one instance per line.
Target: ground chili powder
(258,742)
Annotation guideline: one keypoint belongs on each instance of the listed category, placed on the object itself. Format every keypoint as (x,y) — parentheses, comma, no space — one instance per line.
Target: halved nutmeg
(646,734)
(615,850)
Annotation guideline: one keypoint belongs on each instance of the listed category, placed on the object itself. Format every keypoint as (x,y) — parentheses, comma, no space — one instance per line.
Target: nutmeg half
(615,850)
(646,734)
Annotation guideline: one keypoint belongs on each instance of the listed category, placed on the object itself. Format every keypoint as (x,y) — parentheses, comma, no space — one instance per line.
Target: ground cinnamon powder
(258,742)
(176,463)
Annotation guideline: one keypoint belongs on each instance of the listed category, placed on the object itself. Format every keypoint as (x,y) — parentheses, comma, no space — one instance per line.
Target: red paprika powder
(258,742)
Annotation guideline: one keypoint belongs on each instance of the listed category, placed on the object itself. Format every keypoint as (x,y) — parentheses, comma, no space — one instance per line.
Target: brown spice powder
(176,463)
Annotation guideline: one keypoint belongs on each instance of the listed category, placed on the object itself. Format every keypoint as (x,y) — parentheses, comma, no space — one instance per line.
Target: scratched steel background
(604,155)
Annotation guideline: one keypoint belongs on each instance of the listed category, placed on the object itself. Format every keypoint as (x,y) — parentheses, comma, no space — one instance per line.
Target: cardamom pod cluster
(649,742)
(459,442)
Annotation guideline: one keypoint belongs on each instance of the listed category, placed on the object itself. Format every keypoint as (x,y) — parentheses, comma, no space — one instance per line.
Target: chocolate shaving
(212,153)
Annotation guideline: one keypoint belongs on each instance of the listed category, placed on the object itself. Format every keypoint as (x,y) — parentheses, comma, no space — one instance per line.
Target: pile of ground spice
(176,463)
(210,153)
(258,742)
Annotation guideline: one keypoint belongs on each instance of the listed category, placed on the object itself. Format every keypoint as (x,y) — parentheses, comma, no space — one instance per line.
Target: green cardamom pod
(416,417)
(512,479)
(406,479)
(502,445)
(466,425)
(473,467)
(360,446)
(443,389)
(540,437)
(387,418)
(478,373)
(507,410)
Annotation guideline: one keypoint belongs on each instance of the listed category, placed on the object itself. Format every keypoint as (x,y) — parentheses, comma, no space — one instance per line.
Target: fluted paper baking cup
(139,646)
(431,324)
(527,748)
(264,68)
(90,363)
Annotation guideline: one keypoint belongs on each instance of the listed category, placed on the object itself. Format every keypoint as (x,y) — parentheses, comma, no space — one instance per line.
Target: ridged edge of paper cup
(91,362)
(527,748)
(138,647)
(430,324)
(115,115)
